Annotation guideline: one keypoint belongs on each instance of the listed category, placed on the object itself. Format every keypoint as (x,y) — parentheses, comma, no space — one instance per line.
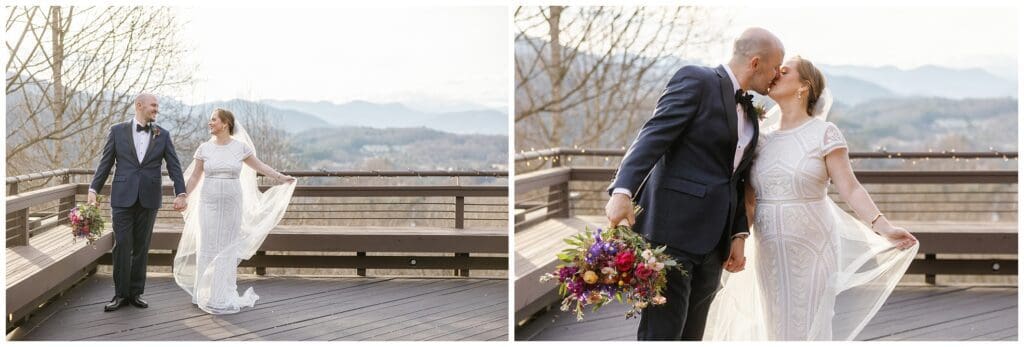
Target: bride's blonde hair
(813,79)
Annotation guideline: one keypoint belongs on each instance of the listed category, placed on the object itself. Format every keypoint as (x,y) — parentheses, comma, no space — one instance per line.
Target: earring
(798,95)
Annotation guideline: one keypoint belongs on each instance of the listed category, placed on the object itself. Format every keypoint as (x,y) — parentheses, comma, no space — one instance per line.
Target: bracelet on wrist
(875,220)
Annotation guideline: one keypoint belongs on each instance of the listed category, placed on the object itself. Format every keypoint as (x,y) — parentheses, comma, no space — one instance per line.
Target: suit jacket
(134,180)
(692,198)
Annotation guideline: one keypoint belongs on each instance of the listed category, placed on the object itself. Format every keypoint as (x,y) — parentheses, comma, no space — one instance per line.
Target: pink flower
(643,272)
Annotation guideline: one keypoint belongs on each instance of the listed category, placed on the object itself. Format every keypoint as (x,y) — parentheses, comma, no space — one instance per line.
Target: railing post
(460,223)
(19,220)
(558,199)
(929,277)
(20,227)
(66,203)
(361,271)
(261,270)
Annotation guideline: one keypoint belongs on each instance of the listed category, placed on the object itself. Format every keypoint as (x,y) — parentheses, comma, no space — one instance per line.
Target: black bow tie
(744,99)
(147,128)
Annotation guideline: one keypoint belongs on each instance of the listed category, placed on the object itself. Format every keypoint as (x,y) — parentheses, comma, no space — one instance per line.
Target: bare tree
(589,76)
(273,145)
(72,72)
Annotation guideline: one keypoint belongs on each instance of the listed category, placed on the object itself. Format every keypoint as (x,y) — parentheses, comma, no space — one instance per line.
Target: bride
(814,271)
(229,219)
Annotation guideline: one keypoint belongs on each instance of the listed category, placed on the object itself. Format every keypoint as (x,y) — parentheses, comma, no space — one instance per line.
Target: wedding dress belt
(799,200)
(224,177)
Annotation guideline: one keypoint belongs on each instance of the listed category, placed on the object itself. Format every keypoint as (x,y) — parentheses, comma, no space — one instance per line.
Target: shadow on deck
(289,308)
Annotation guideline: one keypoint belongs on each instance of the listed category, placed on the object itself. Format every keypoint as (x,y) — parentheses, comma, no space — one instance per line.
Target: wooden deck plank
(912,313)
(957,306)
(280,314)
(407,319)
(365,312)
(290,308)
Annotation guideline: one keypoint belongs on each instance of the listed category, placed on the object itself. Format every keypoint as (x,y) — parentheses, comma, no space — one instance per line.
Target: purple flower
(565,273)
(594,253)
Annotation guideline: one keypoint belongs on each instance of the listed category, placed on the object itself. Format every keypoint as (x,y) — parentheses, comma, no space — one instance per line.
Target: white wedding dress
(225,223)
(813,271)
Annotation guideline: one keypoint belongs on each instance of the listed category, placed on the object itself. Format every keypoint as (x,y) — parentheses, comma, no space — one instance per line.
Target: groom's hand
(737,261)
(180,203)
(91,200)
(619,208)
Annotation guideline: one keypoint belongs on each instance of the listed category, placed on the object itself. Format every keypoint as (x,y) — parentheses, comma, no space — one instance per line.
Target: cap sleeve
(833,139)
(246,151)
(199,152)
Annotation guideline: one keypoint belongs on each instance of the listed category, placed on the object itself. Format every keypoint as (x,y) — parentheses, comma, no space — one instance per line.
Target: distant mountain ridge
(930,81)
(386,115)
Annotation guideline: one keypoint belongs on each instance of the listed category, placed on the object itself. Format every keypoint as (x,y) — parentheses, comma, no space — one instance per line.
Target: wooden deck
(290,308)
(911,313)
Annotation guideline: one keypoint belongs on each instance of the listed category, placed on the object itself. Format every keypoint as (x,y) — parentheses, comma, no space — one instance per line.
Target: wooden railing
(58,191)
(561,189)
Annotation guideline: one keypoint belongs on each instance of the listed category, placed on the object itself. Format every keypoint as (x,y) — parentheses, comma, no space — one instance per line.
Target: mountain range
(390,115)
(851,84)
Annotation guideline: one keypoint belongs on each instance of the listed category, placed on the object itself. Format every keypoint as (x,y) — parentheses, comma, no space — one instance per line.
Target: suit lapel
(728,102)
(131,141)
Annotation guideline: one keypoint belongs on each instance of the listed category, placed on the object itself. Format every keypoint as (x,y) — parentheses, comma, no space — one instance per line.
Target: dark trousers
(133,228)
(688,296)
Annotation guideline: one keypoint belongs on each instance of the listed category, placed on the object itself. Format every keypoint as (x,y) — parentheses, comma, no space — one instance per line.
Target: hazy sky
(906,37)
(446,54)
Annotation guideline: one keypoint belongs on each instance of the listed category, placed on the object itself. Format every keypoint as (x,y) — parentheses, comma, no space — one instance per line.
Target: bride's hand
(737,261)
(286,179)
(902,238)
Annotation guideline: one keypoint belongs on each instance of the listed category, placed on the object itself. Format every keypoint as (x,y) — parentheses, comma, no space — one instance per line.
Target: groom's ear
(754,62)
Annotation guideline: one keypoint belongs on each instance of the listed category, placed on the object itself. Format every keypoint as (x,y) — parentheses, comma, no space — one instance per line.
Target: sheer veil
(869,267)
(261,211)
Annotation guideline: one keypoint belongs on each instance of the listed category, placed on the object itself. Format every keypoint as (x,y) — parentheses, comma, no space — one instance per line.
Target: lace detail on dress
(833,139)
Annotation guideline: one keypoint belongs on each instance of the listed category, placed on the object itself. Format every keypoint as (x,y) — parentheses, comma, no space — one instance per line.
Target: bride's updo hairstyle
(226,117)
(813,79)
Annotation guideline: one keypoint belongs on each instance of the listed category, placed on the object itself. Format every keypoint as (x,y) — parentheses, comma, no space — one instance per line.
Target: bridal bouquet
(86,222)
(614,264)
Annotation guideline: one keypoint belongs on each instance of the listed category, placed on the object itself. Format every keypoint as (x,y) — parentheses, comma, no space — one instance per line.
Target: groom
(695,155)
(137,148)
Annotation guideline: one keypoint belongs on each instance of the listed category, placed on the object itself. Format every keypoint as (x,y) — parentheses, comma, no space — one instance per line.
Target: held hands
(181,203)
(737,261)
(620,209)
(902,238)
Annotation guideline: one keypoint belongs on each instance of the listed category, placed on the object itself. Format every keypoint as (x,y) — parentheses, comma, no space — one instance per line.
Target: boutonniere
(156,130)
(759,111)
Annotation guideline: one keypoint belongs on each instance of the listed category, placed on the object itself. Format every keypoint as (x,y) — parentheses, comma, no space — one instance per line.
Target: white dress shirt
(744,133)
(141,139)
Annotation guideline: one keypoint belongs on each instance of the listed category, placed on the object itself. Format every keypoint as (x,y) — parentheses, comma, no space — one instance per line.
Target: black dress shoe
(115,304)
(138,302)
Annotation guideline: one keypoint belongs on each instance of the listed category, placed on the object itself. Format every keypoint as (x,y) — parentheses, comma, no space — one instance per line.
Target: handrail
(615,152)
(298,173)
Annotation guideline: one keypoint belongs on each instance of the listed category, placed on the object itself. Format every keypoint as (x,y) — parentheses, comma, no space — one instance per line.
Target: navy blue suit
(135,198)
(692,198)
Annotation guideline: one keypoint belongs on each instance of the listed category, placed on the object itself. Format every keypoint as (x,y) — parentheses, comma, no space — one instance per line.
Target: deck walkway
(911,313)
(290,308)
